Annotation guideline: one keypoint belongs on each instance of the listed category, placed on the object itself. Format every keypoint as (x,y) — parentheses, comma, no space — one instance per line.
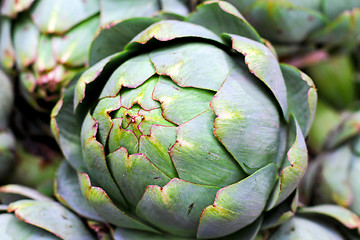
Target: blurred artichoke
(319,222)
(297,26)
(49,40)
(183,133)
(7,140)
(334,175)
(38,217)
(336,81)
(338,85)
(35,166)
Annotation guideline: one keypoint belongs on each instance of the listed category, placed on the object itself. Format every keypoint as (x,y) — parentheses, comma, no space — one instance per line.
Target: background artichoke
(183,133)
(7,139)
(298,26)
(334,175)
(48,41)
(327,221)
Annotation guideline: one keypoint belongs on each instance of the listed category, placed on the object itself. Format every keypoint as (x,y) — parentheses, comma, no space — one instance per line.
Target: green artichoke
(327,221)
(337,81)
(338,87)
(295,26)
(334,175)
(49,40)
(38,217)
(35,167)
(7,140)
(191,130)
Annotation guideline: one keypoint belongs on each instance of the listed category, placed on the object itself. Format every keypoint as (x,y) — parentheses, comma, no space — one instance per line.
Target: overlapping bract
(48,41)
(185,133)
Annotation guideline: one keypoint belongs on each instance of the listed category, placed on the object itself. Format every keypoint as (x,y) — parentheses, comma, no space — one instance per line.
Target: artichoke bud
(184,133)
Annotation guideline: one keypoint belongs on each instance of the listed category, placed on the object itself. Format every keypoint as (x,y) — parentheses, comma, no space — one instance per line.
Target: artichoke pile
(175,119)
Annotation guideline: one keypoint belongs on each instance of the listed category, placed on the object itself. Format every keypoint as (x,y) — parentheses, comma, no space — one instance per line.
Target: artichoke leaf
(52,217)
(104,206)
(50,17)
(95,160)
(302,96)
(67,130)
(26,41)
(12,228)
(294,168)
(180,104)
(198,65)
(237,205)
(240,102)
(7,51)
(133,173)
(175,208)
(24,191)
(343,215)
(197,148)
(263,64)
(11,8)
(128,75)
(344,29)
(305,229)
(68,192)
(114,10)
(221,17)
(169,30)
(72,49)
(101,114)
(112,38)
(120,137)
(156,148)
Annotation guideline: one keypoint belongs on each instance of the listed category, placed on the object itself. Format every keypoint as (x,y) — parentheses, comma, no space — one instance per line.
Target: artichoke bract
(192,130)
(36,216)
(48,41)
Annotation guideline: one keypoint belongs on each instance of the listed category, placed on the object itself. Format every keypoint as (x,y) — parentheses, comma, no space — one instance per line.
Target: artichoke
(337,81)
(334,175)
(338,87)
(38,217)
(35,167)
(58,35)
(327,221)
(295,26)
(191,130)
(7,140)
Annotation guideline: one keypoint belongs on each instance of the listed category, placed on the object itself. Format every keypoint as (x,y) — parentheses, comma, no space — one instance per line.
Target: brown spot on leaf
(191,206)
